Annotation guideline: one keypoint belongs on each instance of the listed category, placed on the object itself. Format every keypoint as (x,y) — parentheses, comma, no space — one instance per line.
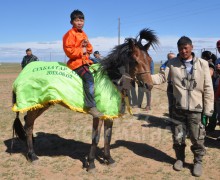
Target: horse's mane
(121,55)
(150,36)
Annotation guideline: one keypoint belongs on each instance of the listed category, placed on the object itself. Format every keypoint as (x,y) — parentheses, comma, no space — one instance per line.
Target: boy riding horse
(78,49)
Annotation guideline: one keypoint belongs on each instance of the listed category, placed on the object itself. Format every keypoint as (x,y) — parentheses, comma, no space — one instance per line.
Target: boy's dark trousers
(88,85)
(188,122)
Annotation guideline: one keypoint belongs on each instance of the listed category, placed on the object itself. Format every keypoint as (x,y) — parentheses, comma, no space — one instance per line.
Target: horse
(131,56)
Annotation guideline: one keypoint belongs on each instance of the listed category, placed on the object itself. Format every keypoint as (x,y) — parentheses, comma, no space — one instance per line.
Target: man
(141,91)
(193,94)
(214,72)
(169,56)
(169,86)
(218,62)
(218,47)
(28,58)
(97,57)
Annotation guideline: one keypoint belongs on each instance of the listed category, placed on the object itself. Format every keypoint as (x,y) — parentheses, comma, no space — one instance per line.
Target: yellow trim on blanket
(62,103)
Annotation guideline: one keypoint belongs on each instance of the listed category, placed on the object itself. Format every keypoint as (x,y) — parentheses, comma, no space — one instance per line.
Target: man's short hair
(96,52)
(183,41)
(29,49)
(76,14)
(170,53)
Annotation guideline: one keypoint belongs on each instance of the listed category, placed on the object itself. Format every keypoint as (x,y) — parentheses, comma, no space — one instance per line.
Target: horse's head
(133,56)
(140,67)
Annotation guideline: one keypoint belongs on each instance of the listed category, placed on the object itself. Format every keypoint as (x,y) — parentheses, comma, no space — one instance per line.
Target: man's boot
(95,112)
(180,156)
(197,167)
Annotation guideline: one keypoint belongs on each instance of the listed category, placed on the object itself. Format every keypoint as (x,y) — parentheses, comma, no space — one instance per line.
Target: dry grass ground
(141,144)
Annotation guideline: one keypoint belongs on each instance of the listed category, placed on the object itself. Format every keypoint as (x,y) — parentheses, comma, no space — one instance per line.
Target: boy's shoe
(95,112)
(197,169)
(178,165)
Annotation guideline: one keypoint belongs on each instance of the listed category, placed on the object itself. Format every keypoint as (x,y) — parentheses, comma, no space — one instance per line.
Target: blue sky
(40,24)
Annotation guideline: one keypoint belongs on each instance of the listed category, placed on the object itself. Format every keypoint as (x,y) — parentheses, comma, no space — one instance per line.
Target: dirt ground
(141,144)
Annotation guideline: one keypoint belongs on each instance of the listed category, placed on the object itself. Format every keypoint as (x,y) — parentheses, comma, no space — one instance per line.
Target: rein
(84,59)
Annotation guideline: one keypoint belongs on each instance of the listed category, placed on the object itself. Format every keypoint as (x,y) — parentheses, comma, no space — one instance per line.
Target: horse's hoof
(109,161)
(90,167)
(31,156)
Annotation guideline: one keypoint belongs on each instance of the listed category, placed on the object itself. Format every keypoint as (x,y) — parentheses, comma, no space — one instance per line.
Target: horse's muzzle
(148,86)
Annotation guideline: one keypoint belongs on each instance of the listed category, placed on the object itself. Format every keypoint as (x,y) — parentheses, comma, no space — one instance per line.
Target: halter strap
(144,72)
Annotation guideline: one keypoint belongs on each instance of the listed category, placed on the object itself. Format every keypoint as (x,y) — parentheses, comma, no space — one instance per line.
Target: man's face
(218,49)
(97,55)
(29,53)
(185,51)
(78,23)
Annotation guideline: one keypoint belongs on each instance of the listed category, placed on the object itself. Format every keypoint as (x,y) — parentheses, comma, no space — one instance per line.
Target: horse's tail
(18,128)
(13,98)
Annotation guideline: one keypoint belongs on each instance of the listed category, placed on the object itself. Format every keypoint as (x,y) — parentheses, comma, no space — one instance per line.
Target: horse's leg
(107,140)
(97,124)
(29,125)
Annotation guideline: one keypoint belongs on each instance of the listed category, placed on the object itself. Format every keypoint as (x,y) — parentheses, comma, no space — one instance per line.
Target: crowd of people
(193,88)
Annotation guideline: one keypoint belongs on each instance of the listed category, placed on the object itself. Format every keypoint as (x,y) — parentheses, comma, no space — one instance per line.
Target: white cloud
(53,50)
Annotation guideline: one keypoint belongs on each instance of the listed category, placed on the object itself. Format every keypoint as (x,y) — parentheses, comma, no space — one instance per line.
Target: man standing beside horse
(193,95)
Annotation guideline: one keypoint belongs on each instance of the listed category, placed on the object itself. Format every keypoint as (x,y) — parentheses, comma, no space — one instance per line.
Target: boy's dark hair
(96,52)
(183,41)
(76,14)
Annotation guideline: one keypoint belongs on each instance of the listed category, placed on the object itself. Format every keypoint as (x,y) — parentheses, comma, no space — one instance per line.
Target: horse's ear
(131,43)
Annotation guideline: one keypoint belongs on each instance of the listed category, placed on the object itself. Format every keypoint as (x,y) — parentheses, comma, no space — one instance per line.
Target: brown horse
(129,60)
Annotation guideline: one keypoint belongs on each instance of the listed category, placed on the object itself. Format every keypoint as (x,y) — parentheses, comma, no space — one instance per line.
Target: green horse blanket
(44,83)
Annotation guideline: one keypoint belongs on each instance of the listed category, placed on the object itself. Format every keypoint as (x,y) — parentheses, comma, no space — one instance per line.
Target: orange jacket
(72,41)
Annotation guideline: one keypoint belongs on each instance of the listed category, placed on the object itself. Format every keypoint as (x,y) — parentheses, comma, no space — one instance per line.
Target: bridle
(138,61)
(138,73)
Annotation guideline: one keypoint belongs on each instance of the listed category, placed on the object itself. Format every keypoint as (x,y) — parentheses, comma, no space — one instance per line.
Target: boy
(78,49)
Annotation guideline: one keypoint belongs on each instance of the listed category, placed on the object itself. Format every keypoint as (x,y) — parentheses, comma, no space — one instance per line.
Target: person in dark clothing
(211,122)
(169,83)
(97,57)
(141,91)
(28,58)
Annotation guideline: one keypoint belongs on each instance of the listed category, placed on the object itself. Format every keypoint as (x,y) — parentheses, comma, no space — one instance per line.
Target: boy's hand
(84,43)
